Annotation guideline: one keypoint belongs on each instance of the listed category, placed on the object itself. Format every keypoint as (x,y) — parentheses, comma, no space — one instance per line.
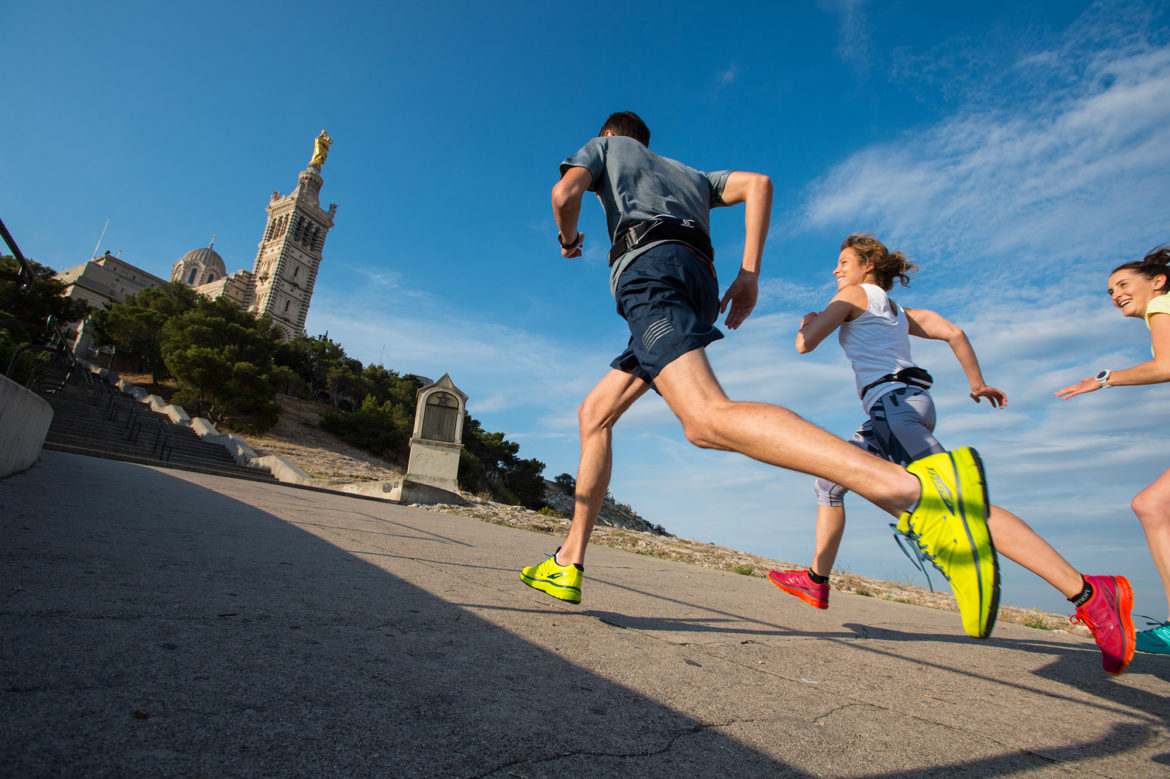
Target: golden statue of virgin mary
(321,149)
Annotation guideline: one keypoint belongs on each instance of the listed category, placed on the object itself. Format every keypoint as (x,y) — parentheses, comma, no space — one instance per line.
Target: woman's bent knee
(1151,509)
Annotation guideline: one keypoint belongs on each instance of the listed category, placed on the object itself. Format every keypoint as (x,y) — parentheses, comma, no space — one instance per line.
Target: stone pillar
(437,441)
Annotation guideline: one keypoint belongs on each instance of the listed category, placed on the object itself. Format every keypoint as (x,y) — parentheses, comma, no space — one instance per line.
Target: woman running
(874,332)
(1140,290)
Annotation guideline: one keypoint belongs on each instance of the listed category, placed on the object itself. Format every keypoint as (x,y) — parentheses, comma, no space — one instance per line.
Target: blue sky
(1016,151)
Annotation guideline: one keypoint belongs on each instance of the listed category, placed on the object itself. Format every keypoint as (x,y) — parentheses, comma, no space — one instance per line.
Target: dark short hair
(628,124)
(1155,263)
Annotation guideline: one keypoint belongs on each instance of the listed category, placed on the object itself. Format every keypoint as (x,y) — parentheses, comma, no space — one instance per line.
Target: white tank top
(877,343)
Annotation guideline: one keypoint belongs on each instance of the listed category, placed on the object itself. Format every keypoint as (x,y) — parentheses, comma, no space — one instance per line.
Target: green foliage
(221,357)
(744,570)
(46,298)
(489,462)
(136,325)
(228,364)
(383,430)
(567,483)
(313,359)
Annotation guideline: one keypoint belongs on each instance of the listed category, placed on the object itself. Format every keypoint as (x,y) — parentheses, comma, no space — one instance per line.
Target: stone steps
(92,418)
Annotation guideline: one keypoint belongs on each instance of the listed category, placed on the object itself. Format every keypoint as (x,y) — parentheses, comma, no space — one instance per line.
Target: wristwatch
(1103,379)
(573,245)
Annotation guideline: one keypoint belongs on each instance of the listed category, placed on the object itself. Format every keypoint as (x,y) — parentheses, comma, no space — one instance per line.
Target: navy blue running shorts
(670,299)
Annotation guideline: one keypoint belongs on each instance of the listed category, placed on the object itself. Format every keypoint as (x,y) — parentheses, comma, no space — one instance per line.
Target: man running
(663,279)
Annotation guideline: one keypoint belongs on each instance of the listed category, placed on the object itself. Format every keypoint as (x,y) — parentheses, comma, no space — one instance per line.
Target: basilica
(281,281)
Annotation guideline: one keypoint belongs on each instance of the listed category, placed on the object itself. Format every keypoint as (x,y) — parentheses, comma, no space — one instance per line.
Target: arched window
(191,278)
(210,278)
(440,416)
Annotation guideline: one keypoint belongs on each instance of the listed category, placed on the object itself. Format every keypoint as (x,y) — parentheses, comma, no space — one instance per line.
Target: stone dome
(199,266)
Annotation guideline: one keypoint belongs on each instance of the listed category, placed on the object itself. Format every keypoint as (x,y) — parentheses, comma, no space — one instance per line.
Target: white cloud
(1074,175)
(853,46)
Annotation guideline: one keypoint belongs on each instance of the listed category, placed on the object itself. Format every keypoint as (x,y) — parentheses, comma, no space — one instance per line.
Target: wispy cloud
(853,44)
(1066,174)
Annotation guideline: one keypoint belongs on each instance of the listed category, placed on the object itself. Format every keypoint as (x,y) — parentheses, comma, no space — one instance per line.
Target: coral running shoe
(1107,615)
(1156,639)
(949,526)
(559,581)
(800,584)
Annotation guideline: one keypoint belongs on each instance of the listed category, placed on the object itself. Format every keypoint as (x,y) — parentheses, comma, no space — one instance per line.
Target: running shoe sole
(949,525)
(808,597)
(561,582)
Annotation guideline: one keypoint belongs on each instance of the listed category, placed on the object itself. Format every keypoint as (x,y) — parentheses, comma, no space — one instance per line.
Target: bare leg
(599,412)
(777,436)
(1019,543)
(830,529)
(1152,506)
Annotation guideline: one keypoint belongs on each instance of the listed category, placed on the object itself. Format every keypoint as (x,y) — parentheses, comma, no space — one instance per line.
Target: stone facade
(289,254)
(438,435)
(281,281)
(106,279)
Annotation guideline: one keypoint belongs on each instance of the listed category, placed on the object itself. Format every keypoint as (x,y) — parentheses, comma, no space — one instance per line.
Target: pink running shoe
(799,583)
(1107,615)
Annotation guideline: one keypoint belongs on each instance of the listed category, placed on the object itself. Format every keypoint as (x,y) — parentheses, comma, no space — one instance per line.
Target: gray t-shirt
(635,184)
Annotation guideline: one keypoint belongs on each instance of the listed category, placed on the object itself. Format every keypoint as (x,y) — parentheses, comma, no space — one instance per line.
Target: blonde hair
(886,265)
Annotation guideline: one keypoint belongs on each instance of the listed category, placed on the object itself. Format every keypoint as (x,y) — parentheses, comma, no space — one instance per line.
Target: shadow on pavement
(217,639)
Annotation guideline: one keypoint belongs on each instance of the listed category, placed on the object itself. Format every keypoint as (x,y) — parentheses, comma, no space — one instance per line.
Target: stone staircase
(93,418)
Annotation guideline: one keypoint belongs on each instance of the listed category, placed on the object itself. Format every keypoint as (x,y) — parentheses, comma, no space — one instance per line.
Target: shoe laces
(909,544)
(1153,624)
(1084,617)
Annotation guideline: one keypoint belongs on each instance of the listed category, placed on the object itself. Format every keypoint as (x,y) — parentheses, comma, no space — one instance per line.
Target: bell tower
(290,251)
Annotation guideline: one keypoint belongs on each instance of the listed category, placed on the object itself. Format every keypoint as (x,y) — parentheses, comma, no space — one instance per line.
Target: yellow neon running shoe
(559,581)
(949,526)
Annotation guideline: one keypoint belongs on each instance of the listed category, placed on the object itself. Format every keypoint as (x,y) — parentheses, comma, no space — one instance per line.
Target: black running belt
(663,228)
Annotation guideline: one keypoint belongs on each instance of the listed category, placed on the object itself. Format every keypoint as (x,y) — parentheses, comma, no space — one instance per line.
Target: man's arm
(754,190)
(928,324)
(566,203)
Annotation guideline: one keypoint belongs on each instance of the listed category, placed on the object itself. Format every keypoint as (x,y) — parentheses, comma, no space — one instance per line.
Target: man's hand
(571,249)
(742,295)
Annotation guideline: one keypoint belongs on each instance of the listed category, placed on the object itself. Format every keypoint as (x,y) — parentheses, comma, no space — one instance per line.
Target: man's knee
(700,429)
(594,415)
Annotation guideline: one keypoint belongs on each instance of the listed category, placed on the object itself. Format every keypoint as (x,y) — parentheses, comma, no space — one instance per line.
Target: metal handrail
(133,423)
(56,342)
(25,277)
(162,442)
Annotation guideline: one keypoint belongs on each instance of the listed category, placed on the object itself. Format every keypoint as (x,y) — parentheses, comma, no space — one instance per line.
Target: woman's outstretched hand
(1085,385)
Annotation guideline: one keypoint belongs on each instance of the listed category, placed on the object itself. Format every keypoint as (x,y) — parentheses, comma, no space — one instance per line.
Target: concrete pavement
(161,622)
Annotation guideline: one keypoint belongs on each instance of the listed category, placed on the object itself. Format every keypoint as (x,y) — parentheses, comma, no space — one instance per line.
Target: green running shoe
(1156,639)
(949,526)
(559,581)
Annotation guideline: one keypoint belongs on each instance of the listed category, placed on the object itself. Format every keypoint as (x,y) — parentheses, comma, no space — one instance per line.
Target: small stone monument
(435,445)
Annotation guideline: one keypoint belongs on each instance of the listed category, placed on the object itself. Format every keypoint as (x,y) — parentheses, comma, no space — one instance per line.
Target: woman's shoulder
(1159,305)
